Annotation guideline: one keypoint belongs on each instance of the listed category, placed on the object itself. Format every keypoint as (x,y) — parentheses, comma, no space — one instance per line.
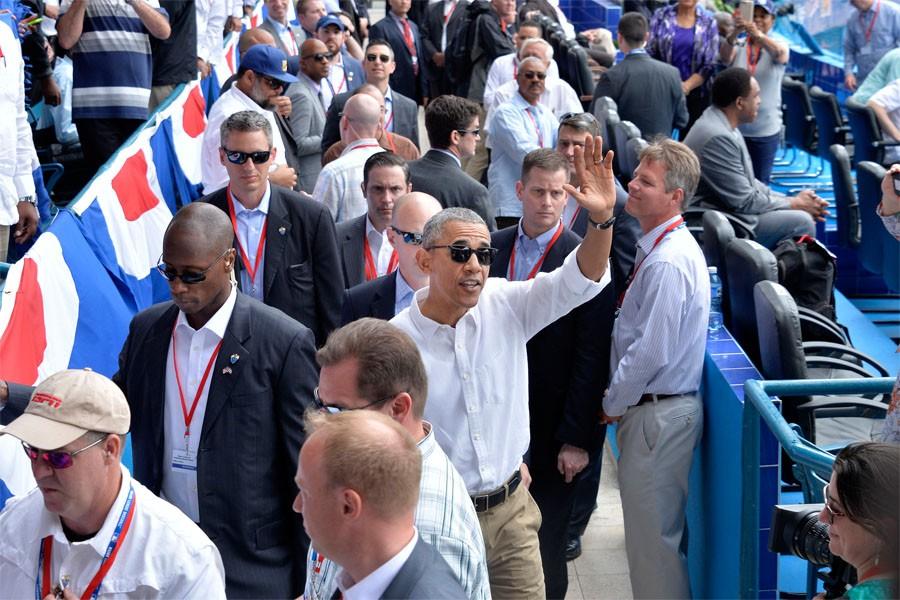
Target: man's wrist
(601,220)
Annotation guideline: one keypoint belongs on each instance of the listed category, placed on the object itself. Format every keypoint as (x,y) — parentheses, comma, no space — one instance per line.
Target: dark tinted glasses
(534,75)
(238,158)
(56,458)
(321,405)
(462,254)
(188,277)
(319,56)
(272,83)
(382,57)
(413,239)
(465,131)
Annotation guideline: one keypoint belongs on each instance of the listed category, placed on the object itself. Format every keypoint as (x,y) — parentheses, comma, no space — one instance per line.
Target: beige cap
(67,405)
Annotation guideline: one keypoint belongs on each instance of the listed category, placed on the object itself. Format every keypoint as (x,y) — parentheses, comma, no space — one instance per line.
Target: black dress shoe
(573,548)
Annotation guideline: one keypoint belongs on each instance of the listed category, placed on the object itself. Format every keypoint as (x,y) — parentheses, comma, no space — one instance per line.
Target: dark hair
(385,159)
(633,28)
(532,23)
(729,85)
(446,114)
(547,159)
(867,476)
(381,42)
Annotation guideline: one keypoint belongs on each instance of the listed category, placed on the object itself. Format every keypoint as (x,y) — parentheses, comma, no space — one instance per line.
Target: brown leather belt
(645,398)
(487,501)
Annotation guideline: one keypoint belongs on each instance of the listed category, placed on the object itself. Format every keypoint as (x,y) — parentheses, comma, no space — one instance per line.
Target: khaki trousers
(510,533)
(158,94)
(4,241)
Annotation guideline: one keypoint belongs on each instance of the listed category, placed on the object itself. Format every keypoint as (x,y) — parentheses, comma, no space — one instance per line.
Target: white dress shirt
(211,17)
(504,69)
(659,338)
(195,347)
(163,555)
(250,226)
(339,184)
(375,583)
(16,145)
(381,248)
(478,370)
(215,177)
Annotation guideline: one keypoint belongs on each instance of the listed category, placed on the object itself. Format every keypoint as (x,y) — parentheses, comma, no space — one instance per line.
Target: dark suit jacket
(370,299)
(438,175)
(402,79)
(568,362)
(647,92)
(431,27)
(350,236)
(299,35)
(250,440)
(406,118)
(300,275)
(424,576)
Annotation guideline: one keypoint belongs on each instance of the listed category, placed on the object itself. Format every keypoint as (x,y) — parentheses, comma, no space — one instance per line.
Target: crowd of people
(388,373)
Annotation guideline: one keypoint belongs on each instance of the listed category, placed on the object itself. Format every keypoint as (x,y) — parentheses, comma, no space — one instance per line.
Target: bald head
(208,228)
(254,37)
(362,115)
(411,212)
(311,46)
(415,208)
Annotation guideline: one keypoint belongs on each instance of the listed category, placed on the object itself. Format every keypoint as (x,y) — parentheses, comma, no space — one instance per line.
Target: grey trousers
(777,225)
(4,240)
(656,447)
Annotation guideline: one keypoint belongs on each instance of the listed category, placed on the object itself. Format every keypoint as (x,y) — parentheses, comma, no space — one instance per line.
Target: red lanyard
(365,146)
(410,44)
(245,260)
(189,415)
(342,82)
(537,129)
(751,61)
(537,265)
(450,12)
(390,120)
(371,270)
(574,216)
(872,24)
(634,271)
(390,141)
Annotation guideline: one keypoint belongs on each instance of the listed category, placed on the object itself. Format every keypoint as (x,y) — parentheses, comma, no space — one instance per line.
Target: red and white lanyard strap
(45,557)
(753,61)
(537,129)
(448,13)
(537,265)
(360,147)
(868,33)
(677,224)
(188,414)
(371,270)
(245,260)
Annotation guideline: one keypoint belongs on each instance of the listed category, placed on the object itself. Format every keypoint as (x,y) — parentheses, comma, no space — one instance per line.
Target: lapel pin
(234,358)
(282,230)
(226,371)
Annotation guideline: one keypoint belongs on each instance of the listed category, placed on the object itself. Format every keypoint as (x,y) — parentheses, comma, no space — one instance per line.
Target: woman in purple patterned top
(686,36)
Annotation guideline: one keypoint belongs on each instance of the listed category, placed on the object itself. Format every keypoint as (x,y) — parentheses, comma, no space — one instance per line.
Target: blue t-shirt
(683,51)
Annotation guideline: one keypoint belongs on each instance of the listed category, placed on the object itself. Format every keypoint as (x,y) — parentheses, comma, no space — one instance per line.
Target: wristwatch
(29,199)
(601,226)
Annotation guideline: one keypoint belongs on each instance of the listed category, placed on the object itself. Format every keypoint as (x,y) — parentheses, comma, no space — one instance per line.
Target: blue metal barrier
(759,408)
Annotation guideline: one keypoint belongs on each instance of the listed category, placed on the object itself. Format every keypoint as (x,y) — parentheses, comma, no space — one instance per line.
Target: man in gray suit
(727,182)
(358,477)
(647,91)
(308,111)
(287,37)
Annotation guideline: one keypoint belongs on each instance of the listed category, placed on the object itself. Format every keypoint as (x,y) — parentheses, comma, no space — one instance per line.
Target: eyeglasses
(462,254)
(409,237)
(187,277)
(273,83)
(573,117)
(236,157)
(832,513)
(381,57)
(57,459)
(465,131)
(319,56)
(330,408)
(534,75)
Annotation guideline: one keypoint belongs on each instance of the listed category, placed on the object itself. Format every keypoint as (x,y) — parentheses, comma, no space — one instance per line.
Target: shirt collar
(279,27)
(244,98)
(647,240)
(360,142)
(263,207)
(375,583)
(518,100)
(315,86)
(427,327)
(427,444)
(542,240)
(389,95)
(450,154)
(371,229)
(403,289)
(218,322)
(636,51)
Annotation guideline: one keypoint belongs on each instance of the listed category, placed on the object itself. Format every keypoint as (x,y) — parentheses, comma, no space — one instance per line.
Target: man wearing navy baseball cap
(262,77)
(346,73)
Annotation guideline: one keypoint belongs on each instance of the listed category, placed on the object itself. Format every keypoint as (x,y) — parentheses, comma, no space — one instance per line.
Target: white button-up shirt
(194,347)
(380,246)
(659,338)
(478,370)
(215,177)
(375,583)
(163,555)
(250,226)
(211,17)
(339,184)
(503,70)
(16,145)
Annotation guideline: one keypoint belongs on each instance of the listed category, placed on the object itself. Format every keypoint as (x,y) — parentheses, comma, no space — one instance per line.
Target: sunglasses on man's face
(236,157)
(462,254)
(273,83)
(534,75)
(409,237)
(187,277)
(57,459)
(382,57)
(319,56)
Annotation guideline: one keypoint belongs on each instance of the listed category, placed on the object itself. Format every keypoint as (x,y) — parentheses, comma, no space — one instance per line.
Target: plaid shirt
(445,518)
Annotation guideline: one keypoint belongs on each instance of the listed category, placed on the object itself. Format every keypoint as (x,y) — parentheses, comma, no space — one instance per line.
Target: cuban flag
(60,309)
(229,66)
(184,121)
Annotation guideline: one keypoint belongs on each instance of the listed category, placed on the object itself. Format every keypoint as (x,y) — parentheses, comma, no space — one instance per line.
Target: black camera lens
(796,530)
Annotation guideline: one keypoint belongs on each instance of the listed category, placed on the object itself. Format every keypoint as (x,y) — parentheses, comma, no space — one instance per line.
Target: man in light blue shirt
(872,30)
(518,127)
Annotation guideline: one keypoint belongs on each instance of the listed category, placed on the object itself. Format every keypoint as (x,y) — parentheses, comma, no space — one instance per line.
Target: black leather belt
(645,398)
(487,501)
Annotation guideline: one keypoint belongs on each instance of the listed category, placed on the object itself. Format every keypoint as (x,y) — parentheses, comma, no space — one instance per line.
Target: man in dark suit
(358,476)
(401,113)
(386,296)
(453,132)
(366,252)
(567,360)
(647,91)
(286,244)
(411,76)
(442,19)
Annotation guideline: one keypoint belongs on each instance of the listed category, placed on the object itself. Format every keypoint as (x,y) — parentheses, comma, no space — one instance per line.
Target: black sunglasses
(465,131)
(236,157)
(187,277)
(534,75)
(273,83)
(462,254)
(330,408)
(382,57)
(319,56)
(413,239)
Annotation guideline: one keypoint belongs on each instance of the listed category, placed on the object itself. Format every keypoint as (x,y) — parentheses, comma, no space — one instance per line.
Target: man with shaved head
(339,185)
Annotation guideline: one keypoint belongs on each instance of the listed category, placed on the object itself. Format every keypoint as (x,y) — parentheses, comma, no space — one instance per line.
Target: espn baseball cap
(67,405)
(268,61)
